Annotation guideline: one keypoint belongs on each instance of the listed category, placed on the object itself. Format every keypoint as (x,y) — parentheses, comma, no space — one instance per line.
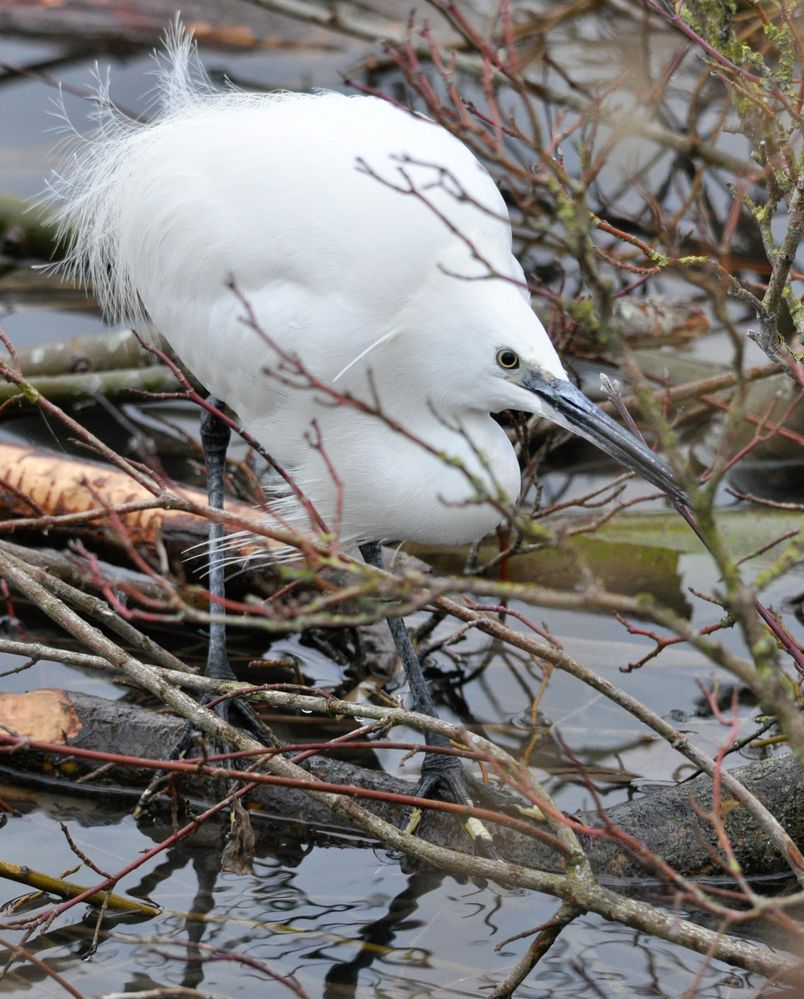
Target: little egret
(371,245)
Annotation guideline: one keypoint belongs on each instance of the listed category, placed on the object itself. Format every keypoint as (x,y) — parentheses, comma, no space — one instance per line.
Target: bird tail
(86,194)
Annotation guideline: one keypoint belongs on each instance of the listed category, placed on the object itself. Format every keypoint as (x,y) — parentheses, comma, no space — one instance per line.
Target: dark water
(345,920)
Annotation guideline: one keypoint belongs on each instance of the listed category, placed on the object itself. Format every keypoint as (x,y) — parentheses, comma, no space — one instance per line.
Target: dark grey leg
(215,436)
(440,773)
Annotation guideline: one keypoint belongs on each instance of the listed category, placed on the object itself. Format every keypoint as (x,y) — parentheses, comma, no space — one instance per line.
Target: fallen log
(118,384)
(669,822)
(24,230)
(36,483)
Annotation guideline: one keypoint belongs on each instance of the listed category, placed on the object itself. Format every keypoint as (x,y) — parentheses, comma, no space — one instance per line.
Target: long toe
(444,778)
(232,710)
(147,800)
(246,719)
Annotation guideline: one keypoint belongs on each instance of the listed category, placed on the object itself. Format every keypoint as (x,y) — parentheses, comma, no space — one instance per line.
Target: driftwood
(36,482)
(75,570)
(668,822)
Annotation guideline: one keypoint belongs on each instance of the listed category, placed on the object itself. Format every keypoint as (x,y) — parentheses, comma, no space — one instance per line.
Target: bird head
(470,341)
(546,394)
(531,378)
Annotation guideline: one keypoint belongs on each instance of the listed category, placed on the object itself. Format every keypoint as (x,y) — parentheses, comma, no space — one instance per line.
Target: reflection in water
(207,868)
(377,936)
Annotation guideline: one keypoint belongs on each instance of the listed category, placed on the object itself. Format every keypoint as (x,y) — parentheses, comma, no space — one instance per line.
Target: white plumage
(296,198)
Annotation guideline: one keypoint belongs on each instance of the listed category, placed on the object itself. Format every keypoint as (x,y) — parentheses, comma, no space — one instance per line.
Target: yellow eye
(507,359)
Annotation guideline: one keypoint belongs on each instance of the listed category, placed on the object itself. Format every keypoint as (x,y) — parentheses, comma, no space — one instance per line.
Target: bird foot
(146,801)
(444,777)
(235,710)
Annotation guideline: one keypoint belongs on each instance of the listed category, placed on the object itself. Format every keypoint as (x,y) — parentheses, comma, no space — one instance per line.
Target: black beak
(569,407)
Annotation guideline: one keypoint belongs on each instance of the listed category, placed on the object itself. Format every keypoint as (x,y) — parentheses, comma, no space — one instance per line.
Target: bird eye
(507,359)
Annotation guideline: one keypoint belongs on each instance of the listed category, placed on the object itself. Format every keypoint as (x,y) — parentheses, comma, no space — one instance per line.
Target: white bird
(370,243)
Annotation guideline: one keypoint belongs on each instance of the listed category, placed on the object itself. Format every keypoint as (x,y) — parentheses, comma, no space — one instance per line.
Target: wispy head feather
(89,187)
(181,77)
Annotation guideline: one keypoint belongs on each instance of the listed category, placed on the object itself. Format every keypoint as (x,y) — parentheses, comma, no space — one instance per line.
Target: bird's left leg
(215,435)
(440,772)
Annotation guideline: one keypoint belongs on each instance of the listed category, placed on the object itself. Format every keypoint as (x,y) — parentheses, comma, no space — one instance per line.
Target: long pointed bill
(569,407)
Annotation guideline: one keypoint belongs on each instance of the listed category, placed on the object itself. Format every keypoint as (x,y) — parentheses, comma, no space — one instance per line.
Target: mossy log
(85,352)
(24,229)
(115,384)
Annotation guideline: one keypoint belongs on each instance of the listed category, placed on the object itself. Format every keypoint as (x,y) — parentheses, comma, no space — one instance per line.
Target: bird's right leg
(440,772)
